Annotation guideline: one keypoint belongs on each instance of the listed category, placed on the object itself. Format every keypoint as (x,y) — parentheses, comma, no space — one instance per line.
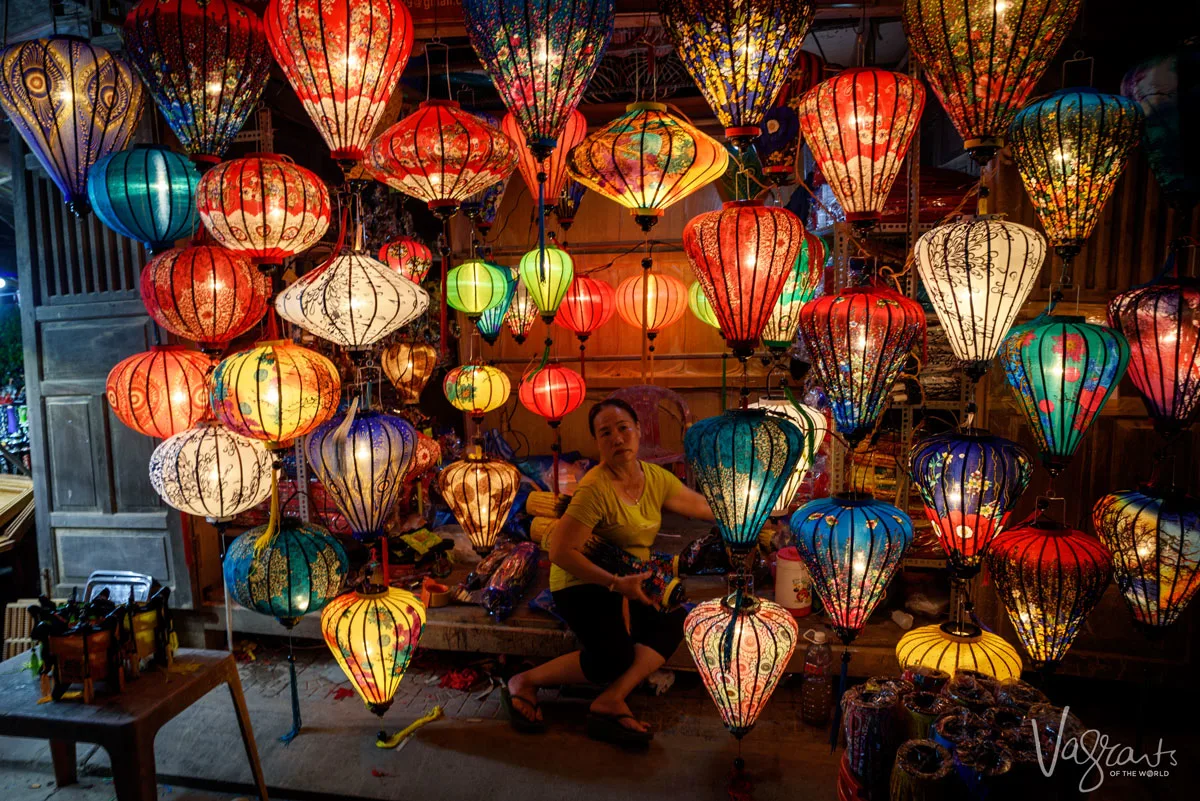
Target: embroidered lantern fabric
(1164,87)
(547,275)
(666,301)
(588,304)
(813,428)
(491,322)
(778,145)
(522,312)
(475,286)
(146,193)
(480,492)
(409,366)
(555,165)
(476,389)
(802,283)
(212,472)
(409,257)
(552,391)
(698,303)
(952,647)
(160,392)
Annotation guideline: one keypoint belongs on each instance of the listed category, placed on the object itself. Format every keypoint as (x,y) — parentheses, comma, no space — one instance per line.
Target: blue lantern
(147,193)
(568,203)
(491,322)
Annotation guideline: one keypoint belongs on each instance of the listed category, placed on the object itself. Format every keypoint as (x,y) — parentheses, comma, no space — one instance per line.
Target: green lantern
(475,286)
(547,278)
(700,306)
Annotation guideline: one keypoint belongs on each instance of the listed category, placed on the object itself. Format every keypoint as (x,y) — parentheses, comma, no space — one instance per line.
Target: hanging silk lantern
(264,207)
(491,322)
(409,257)
(852,545)
(409,366)
(1050,578)
(1070,148)
(553,392)
(1154,538)
(522,312)
(1165,88)
(353,301)
(568,203)
(979,272)
(666,301)
(858,125)
(742,256)
(547,275)
(205,63)
(779,143)
(476,389)
(554,166)
(442,155)
(803,281)
(373,633)
(480,492)
(1062,372)
(813,427)
(859,340)
(743,178)
(344,58)
(481,208)
(160,392)
(204,293)
(299,570)
(742,459)
(211,472)
(146,193)
(969,480)
(275,392)
(727,635)
(982,59)
(954,646)
(698,303)
(73,103)
(646,160)
(426,456)
(739,53)
(475,286)
(588,304)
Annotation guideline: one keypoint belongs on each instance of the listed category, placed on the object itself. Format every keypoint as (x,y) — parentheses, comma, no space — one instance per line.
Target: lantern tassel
(296,723)
(837,707)
(261,543)
(340,434)
(385,740)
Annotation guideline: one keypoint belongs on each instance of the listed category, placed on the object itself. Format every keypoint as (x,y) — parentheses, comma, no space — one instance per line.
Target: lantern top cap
(961,632)
(440,103)
(855,498)
(1047,525)
(646,105)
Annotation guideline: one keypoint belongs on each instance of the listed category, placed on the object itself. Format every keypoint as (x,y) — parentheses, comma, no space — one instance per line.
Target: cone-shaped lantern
(522,312)
(160,392)
(146,193)
(955,646)
(568,203)
(211,472)
(491,322)
(476,389)
(409,367)
(803,281)
(813,427)
(409,257)
(547,275)
(553,392)
(480,492)
(554,167)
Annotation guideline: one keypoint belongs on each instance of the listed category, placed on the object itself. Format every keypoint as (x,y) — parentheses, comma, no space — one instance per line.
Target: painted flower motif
(1069,345)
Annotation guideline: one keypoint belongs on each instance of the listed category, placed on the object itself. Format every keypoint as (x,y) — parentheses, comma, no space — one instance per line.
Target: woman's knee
(603,666)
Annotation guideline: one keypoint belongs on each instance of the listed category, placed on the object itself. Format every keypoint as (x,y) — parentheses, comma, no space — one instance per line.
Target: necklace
(624,491)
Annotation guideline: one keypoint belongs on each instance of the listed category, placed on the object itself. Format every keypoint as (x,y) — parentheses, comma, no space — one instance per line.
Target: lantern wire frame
(547,274)
(480,492)
(476,389)
(475,286)
(210,471)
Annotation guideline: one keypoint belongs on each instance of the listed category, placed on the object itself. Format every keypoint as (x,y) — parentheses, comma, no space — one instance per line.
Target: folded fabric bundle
(922,772)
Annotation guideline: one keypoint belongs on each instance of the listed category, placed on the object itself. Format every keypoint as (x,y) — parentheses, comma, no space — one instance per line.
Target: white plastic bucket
(793,585)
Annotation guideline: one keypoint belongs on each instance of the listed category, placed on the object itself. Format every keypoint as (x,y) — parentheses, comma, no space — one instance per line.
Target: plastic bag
(510,580)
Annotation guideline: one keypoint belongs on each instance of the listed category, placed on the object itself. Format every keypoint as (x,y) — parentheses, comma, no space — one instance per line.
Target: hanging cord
(647,263)
(443,312)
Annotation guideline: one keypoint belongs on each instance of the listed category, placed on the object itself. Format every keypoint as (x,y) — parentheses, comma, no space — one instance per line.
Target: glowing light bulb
(214,88)
(271,395)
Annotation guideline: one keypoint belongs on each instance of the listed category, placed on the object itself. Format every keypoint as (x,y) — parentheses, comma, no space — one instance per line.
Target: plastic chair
(650,402)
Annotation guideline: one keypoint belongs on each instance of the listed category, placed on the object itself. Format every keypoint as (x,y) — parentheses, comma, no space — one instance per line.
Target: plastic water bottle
(816,696)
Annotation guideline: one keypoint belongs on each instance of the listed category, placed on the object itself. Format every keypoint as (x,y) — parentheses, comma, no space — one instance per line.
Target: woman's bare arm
(566,551)
(689,503)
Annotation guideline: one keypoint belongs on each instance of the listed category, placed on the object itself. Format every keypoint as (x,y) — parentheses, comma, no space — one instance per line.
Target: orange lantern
(665,302)
(408,256)
(554,166)
(409,365)
(160,392)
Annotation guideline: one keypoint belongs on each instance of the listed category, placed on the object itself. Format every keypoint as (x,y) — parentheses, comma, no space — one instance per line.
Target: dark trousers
(594,614)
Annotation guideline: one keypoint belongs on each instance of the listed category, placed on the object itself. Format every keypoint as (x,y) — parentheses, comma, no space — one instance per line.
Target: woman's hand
(631,587)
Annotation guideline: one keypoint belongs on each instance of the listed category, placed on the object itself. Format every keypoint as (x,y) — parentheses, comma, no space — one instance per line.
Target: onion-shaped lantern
(969,480)
(588,304)
(344,58)
(275,392)
(852,545)
(954,646)
(778,145)
(547,275)
(409,257)
(1164,87)
(741,645)
(264,207)
(553,166)
(211,472)
(813,427)
(204,293)
(522,312)
(1154,538)
(568,203)
(978,272)
(1070,149)
(160,392)
(491,322)
(859,340)
(476,389)
(146,193)
(1062,372)
(858,125)
(480,492)
(803,281)
(73,103)
(701,307)
(742,256)
(1050,578)
(665,297)
(742,460)
(553,392)
(205,63)
(475,286)
(409,366)
(983,58)
(646,160)
(373,633)
(299,569)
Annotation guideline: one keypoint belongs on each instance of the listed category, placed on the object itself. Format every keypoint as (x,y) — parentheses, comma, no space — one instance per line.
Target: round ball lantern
(160,392)
(665,301)
(802,283)
(701,307)
(409,257)
(491,322)
(554,166)
(409,366)
(588,304)
(480,492)
(553,392)
(522,312)
(813,427)
(475,286)
(476,389)
(146,193)
(955,646)
(547,275)
(211,472)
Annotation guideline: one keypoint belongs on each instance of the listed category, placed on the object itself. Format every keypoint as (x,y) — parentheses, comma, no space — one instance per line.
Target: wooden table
(125,724)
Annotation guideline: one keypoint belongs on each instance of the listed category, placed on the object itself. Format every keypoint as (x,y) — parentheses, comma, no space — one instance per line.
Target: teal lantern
(491,322)
(147,193)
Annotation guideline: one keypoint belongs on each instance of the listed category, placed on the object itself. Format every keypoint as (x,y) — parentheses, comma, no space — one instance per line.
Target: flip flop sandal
(608,729)
(519,720)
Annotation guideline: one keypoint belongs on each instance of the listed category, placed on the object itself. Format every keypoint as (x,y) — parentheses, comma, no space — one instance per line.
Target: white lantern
(210,471)
(813,426)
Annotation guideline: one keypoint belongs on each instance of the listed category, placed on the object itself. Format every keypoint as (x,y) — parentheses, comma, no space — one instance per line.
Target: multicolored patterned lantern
(491,322)
(553,392)
(522,312)
(409,366)
(1070,149)
(698,303)
(1154,538)
(859,340)
(813,427)
(568,203)
(480,492)
(955,646)
(1165,87)
(982,59)
(481,208)
(554,166)
(858,125)
(344,58)
(802,283)
(852,545)
(1062,372)
(160,392)
(778,145)
(211,472)
(409,257)
(547,275)
(588,304)
(73,103)
(146,193)
(476,389)
(475,286)
(665,301)
(205,63)
(742,256)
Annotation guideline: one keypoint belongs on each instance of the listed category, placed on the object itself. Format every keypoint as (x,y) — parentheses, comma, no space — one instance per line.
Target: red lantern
(408,256)
(588,304)
(204,293)
(742,256)
(160,392)
(555,165)
(552,391)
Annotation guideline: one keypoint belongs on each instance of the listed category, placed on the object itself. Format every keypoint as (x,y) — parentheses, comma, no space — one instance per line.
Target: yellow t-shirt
(632,526)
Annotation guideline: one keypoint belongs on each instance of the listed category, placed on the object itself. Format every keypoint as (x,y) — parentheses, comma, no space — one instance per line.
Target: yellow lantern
(409,366)
(477,389)
(480,492)
(957,645)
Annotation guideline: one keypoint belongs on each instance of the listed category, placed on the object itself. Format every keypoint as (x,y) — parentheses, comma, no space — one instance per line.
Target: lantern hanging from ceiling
(646,160)
(666,301)
(408,256)
(552,391)
(146,193)
(491,322)
(475,286)
(481,208)
(779,143)
(741,645)
(73,103)
(568,203)
(803,281)
(982,59)
(344,58)
(954,646)
(160,392)
(852,545)
(264,207)
(1070,148)
(859,340)
(476,389)
(813,427)
(969,481)
(373,633)
(211,472)
(409,366)
(480,492)
(858,125)
(700,306)
(1062,372)
(205,63)
(1050,578)
(1154,538)
(522,312)
(979,272)
(588,304)
(739,52)
(547,275)
(742,256)
(554,166)
(1165,87)
(743,178)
